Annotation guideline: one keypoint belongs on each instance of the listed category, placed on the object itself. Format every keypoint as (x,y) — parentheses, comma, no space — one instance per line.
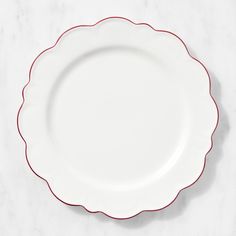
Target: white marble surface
(206,209)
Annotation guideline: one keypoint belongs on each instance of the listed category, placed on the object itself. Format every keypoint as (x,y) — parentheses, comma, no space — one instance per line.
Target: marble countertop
(27,207)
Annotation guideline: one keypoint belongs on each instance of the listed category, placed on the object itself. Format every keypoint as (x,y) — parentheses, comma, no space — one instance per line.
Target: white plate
(117,117)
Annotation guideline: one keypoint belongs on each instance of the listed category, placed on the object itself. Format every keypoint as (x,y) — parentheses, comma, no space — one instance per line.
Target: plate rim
(90,26)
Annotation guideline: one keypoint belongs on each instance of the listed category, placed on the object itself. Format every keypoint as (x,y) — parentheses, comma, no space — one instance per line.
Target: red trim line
(23,97)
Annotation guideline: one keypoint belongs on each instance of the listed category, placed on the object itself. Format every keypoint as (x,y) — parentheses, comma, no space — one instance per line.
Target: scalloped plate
(117,117)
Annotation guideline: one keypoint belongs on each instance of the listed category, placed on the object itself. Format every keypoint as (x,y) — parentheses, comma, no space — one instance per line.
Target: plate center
(112,117)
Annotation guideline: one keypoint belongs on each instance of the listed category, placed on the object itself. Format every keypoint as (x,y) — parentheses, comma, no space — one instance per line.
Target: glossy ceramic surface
(117,117)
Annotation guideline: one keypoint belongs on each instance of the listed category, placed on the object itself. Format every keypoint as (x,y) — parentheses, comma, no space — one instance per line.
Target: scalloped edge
(89,26)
